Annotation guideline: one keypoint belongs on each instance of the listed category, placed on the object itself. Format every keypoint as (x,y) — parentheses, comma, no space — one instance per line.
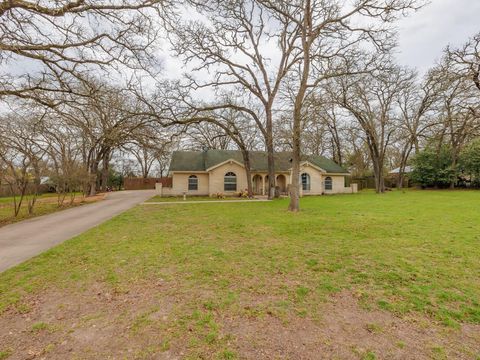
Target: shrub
(220,195)
(470,161)
(434,167)
(242,194)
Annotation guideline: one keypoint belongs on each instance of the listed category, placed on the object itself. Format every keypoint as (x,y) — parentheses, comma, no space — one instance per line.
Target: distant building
(407,170)
(392,178)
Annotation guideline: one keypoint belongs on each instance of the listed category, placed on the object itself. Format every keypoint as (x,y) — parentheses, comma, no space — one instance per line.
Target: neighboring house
(392,177)
(407,170)
(212,172)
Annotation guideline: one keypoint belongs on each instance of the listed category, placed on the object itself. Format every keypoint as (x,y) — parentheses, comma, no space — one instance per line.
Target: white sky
(426,33)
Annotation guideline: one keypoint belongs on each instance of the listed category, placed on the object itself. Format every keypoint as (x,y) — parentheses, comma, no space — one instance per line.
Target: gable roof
(203,160)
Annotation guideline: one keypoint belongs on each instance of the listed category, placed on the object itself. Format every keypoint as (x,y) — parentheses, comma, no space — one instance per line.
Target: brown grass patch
(143,322)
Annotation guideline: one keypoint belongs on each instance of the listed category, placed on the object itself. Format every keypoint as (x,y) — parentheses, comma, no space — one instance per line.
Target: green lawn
(193,198)
(414,253)
(8,199)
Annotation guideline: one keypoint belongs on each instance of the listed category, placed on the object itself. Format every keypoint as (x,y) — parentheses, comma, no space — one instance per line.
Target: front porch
(260,183)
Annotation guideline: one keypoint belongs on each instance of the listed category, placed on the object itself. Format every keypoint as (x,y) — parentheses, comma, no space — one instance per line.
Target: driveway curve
(25,239)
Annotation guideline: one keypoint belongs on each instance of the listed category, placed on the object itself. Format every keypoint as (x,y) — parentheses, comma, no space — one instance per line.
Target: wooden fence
(145,184)
(368,182)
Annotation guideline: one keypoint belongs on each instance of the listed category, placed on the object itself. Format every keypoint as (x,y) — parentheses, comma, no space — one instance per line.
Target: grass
(46,204)
(369,356)
(414,252)
(193,198)
(7,200)
(37,327)
(5,354)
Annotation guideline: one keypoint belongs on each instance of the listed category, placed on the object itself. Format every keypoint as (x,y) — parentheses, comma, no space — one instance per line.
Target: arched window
(230,182)
(192,182)
(305,182)
(328,183)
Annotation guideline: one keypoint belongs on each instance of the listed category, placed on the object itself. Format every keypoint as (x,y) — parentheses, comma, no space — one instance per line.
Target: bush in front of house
(242,194)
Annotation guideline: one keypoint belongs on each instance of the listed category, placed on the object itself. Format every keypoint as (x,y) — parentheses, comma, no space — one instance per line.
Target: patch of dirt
(101,323)
(93,324)
(347,331)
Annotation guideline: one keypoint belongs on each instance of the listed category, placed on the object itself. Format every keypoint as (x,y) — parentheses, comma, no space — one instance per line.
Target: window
(192,183)
(230,182)
(328,183)
(305,182)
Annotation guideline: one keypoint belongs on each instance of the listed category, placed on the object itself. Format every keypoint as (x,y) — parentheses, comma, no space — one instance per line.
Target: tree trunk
(401,172)
(295,185)
(271,161)
(336,144)
(403,164)
(248,172)
(400,179)
(105,168)
(379,178)
(36,189)
(93,185)
(297,111)
(93,178)
(18,204)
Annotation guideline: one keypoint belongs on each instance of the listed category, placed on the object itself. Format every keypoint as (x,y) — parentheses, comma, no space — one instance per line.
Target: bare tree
(206,135)
(457,109)
(61,41)
(106,119)
(321,128)
(325,33)
(63,145)
(371,100)
(150,146)
(234,44)
(322,116)
(23,160)
(465,60)
(416,105)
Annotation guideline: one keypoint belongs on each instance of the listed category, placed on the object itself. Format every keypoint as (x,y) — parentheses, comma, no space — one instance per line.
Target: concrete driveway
(25,239)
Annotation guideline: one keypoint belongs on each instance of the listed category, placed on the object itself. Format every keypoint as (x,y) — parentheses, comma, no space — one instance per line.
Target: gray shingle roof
(203,160)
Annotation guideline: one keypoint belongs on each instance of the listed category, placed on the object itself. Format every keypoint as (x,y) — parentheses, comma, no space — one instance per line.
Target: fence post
(158,189)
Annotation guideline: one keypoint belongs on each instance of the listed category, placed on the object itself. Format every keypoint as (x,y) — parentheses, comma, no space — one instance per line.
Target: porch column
(300,185)
(263,184)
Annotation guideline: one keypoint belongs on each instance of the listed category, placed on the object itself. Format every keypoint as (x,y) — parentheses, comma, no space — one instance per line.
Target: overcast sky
(424,34)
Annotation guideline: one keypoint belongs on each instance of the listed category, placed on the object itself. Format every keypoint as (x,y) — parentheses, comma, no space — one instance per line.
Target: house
(211,172)
(391,179)
(407,170)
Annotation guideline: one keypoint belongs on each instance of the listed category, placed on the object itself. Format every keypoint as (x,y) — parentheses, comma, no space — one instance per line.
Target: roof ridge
(190,160)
